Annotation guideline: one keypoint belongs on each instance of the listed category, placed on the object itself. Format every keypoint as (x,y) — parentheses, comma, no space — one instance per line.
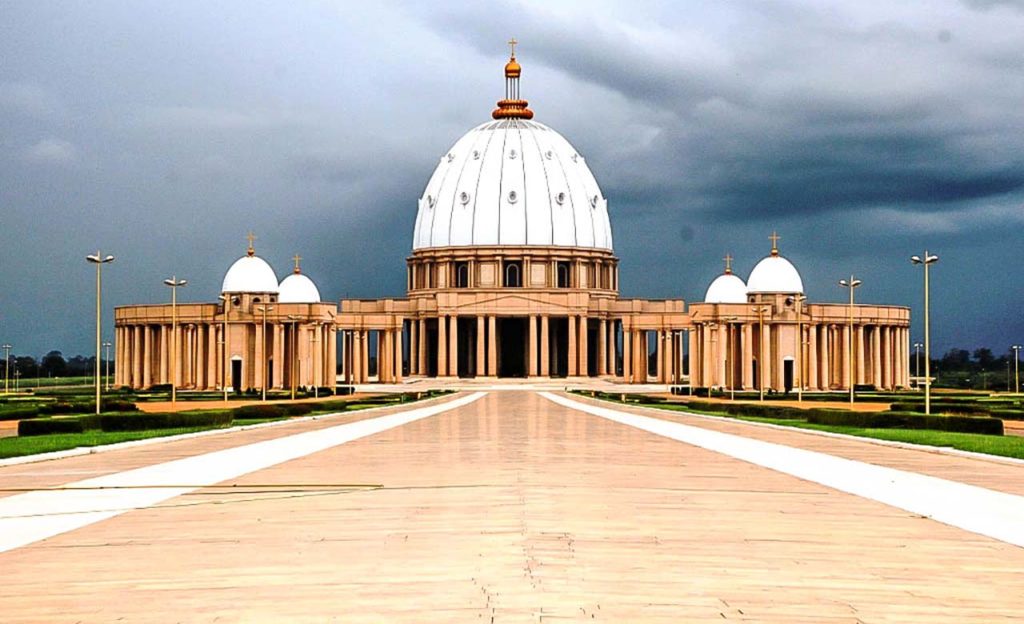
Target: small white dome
(249,274)
(774,274)
(726,288)
(297,288)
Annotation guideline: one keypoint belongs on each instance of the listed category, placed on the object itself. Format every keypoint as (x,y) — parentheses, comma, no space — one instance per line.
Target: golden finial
(252,238)
(296,258)
(775,238)
(512,107)
(728,264)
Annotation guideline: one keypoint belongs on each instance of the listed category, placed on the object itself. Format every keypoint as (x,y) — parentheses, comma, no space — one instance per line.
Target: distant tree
(54,364)
(956,359)
(26,364)
(984,358)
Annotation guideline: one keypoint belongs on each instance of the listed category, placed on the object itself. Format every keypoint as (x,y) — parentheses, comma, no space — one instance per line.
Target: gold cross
(296,258)
(775,238)
(251,237)
(512,44)
(728,263)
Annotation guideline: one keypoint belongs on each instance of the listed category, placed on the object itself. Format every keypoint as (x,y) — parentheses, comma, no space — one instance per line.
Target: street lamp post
(730,360)
(917,360)
(224,348)
(174,283)
(798,368)
(99,260)
(107,345)
(264,309)
(926,260)
(760,310)
(851,284)
(7,366)
(1016,368)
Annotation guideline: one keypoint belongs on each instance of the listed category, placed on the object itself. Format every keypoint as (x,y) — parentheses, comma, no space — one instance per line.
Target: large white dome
(726,288)
(512,182)
(297,288)
(774,274)
(249,274)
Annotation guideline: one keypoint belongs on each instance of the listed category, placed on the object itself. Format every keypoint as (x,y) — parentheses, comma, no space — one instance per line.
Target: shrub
(259,411)
(1006,414)
(160,388)
(143,421)
(20,412)
(298,409)
(941,407)
(118,405)
(905,420)
(46,426)
(324,391)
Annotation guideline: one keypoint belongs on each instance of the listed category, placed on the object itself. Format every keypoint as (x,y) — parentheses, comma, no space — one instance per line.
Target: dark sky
(162,132)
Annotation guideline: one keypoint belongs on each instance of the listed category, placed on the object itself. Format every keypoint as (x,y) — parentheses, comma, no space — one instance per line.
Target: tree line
(53,364)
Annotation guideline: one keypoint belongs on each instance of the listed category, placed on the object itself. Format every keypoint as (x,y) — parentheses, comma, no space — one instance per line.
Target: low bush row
(908,420)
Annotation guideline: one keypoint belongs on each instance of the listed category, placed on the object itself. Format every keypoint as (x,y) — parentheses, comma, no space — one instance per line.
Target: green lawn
(1005,446)
(31,445)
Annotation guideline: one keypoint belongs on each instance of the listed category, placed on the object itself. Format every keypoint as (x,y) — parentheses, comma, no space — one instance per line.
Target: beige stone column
(136,357)
(764,360)
(825,363)
(584,360)
(384,356)
(442,346)
(492,346)
(613,348)
(453,346)
(724,355)
(420,344)
(573,353)
(147,348)
(355,352)
(847,377)
(812,357)
(602,348)
(861,349)
(640,356)
(399,335)
(531,347)
(747,371)
(481,346)
(414,349)
(877,348)
(365,356)
(545,347)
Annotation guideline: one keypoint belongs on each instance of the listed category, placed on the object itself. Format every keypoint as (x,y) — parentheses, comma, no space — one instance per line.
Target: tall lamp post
(760,311)
(264,309)
(798,368)
(7,366)
(293,368)
(851,284)
(224,348)
(107,345)
(99,260)
(925,260)
(917,360)
(730,360)
(1016,368)
(175,284)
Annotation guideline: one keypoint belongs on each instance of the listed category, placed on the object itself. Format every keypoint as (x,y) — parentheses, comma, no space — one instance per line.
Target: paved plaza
(507,505)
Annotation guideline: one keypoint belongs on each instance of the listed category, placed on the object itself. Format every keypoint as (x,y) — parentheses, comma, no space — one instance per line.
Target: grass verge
(1004,446)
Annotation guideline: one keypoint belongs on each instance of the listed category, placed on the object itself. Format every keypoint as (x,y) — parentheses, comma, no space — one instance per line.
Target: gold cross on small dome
(252,238)
(775,238)
(297,258)
(512,44)
(728,264)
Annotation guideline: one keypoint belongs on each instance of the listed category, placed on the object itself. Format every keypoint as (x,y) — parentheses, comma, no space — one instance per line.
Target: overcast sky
(162,132)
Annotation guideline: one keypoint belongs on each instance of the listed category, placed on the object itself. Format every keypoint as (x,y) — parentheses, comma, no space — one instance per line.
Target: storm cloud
(163,132)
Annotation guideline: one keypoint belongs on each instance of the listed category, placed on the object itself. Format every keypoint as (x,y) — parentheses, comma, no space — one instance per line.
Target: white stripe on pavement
(998,515)
(33,516)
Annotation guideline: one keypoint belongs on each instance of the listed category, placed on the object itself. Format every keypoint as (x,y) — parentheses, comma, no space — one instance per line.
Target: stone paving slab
(514,509)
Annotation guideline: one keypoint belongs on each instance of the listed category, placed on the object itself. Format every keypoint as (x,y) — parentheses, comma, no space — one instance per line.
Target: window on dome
(562,274)
(461,275)
(513,274)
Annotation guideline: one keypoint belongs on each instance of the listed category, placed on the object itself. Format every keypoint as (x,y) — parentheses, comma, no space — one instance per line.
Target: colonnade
(745,355)
(303,352)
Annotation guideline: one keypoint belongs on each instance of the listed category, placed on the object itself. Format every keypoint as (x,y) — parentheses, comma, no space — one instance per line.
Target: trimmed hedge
(1006,414)
(905,420)
(50,425)
(298,409)
(942,407)
(143,421)
(19,413)
(259,411)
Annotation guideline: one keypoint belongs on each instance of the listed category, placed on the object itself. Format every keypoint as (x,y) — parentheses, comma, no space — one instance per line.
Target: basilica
(513,274)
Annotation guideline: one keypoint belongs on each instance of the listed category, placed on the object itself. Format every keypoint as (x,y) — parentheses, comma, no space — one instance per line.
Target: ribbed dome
(774,274)
(250,274)
(726,288)
(297,288)
(512,182)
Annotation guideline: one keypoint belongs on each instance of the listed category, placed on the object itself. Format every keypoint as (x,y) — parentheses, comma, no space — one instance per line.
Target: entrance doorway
(236,375)
(467,346)
(558,346)
(787,375)
(431,338)
(512,336)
